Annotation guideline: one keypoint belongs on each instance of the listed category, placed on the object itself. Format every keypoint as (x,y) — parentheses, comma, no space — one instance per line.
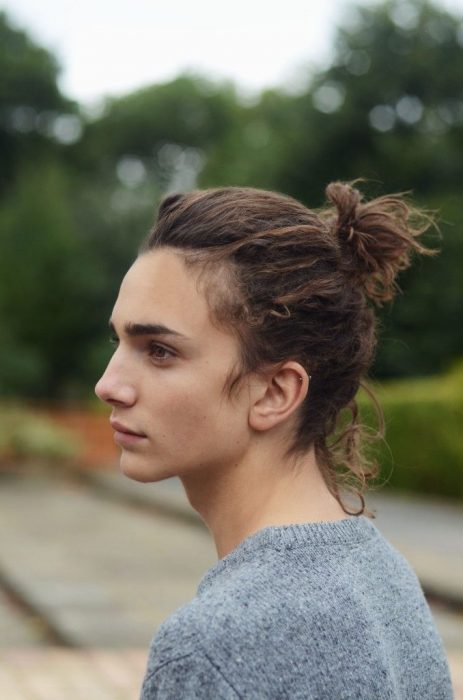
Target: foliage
(26,437)
(388,108)
(162,132)
(41,288)
(61,264)
(34,116)
(422,333)
(423,447)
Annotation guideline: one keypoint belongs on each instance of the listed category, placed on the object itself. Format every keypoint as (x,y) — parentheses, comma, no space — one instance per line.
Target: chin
(140,470)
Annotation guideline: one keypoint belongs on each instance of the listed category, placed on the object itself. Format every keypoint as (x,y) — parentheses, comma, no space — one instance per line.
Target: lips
(127,438)
(125,430)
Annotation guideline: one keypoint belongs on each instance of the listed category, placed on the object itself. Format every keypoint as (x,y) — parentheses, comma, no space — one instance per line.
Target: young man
(243,329)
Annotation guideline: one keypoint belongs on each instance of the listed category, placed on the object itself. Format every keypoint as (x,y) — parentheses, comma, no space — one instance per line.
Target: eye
(113,339)
(159,352)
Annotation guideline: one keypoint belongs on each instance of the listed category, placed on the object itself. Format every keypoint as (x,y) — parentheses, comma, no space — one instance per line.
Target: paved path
(18,628)
(62,674)
(105,575)
(430,534)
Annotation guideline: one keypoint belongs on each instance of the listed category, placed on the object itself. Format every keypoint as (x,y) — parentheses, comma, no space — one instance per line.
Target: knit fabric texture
(320,611)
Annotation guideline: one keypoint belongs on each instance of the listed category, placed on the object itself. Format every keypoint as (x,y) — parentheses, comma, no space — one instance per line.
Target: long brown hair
(300,284)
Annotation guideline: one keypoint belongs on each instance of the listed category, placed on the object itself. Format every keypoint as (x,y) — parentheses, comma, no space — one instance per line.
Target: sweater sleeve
(190,677)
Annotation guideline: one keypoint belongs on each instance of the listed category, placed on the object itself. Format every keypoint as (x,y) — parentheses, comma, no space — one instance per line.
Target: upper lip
(121,428)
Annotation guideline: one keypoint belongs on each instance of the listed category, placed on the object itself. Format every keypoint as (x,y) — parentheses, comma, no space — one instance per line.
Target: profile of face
(165,380)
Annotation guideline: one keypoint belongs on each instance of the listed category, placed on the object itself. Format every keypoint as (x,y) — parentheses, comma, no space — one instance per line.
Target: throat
(236,503)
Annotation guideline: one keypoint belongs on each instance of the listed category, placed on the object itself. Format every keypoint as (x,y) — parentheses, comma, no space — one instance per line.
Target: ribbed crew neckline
(348,531)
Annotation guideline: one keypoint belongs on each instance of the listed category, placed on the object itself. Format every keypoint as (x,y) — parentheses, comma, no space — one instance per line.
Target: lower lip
(127,438)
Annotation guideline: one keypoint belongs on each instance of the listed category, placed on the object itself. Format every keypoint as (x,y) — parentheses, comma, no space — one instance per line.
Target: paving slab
(101,574)
(450,625)
(57,674)
(18,628)
(429,532)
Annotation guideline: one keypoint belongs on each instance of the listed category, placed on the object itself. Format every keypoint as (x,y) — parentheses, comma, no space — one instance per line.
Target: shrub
(423,446)
(25,437)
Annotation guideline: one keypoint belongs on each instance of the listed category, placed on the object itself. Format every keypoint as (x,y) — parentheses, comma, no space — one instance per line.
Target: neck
(261,490)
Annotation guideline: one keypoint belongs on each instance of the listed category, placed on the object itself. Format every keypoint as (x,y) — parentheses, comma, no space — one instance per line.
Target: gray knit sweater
(316,611)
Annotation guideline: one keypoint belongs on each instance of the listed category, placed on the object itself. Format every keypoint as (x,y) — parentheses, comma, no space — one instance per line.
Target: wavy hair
(301,284)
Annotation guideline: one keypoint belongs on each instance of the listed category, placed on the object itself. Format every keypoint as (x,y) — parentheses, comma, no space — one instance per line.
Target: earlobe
(285,390)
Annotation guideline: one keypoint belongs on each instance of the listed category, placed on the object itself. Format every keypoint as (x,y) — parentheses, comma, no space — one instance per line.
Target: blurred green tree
(162,132)
(65,246)
(39,288)
(389,108)
(35,118)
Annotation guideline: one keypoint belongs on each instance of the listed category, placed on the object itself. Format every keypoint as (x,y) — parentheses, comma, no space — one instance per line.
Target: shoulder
(216,619)
(178,636)
(203,621)
(182,660)
(191,675)
(241,607)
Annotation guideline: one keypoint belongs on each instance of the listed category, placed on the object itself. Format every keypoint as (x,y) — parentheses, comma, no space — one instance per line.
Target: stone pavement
(64,674)
(104,574)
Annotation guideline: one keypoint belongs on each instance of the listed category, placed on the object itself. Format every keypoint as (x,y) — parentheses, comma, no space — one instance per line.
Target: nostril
(101,391)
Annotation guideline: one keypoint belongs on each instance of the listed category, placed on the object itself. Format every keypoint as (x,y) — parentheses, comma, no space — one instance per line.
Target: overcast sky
(113,47)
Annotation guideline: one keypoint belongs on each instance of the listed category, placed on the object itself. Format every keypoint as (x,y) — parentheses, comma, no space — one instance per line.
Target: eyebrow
(138,329)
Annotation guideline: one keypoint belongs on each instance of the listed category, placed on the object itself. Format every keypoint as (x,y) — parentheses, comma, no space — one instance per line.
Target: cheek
(188,410)
(180,410)
(199,422)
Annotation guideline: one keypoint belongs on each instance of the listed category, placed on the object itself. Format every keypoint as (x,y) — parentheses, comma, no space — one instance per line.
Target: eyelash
(152,346)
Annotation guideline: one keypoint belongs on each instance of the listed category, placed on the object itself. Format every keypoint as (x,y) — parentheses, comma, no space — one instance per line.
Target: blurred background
(103,110)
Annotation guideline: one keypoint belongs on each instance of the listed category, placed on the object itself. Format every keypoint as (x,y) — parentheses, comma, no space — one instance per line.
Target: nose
(114,386)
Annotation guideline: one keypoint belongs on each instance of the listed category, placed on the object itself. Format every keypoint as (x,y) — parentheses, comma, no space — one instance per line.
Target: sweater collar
(348,531)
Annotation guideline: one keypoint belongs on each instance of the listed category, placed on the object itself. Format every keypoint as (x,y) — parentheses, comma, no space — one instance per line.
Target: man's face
(165,385)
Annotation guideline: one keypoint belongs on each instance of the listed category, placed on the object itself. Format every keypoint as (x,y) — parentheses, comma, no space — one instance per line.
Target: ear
(277,395)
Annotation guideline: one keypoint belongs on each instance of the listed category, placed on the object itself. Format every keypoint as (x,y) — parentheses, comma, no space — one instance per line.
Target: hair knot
(377,237)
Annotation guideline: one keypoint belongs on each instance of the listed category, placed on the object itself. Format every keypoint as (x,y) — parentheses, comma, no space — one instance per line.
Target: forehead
(159,288)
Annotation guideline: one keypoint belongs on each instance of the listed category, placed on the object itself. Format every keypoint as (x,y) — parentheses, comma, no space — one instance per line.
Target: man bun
(377,237)
(295,283)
